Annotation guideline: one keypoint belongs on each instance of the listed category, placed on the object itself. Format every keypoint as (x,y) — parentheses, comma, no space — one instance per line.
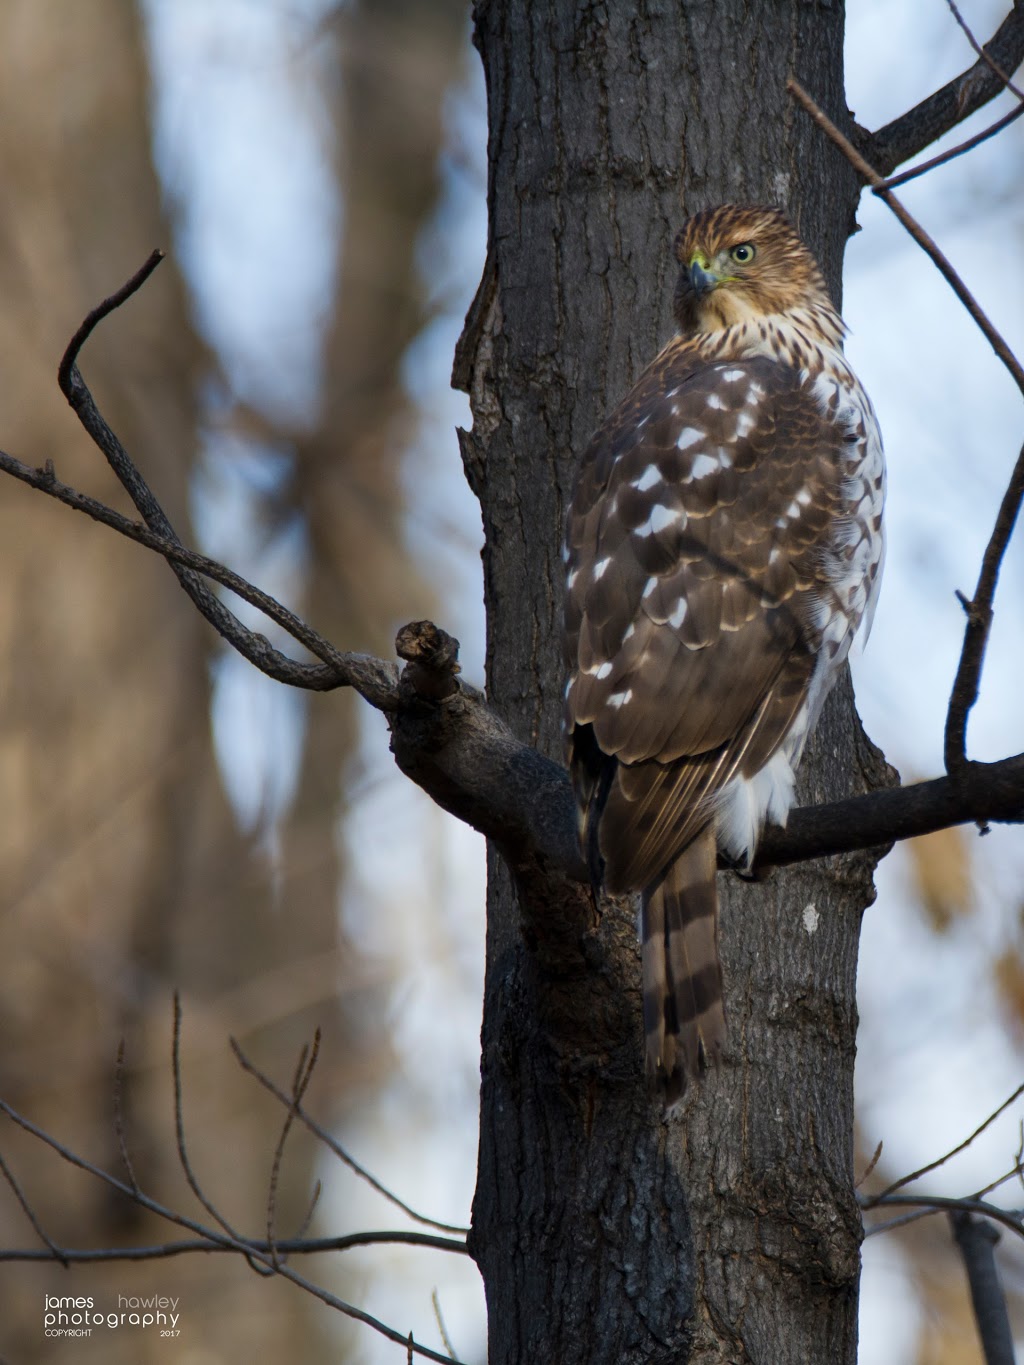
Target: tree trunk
(603,1233)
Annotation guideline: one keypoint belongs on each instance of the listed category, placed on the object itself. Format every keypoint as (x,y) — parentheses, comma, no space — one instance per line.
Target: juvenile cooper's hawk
(724,543)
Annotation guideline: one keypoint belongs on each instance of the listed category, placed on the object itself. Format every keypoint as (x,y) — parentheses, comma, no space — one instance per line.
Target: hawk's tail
(684,1019)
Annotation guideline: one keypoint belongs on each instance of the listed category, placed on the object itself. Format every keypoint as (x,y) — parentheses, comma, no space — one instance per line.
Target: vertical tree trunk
(603,1233)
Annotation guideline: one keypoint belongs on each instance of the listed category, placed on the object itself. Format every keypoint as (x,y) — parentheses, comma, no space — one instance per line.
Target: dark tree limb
(917,129)
(893,182)
(446,739)
(977,1240)
(869,1201)
(944,1203)
(979,623)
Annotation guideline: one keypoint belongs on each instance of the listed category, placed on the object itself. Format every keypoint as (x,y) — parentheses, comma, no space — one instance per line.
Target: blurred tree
(124,872)
(396,62)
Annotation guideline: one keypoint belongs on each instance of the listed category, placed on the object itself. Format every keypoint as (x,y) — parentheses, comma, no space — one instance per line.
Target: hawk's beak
(703,281)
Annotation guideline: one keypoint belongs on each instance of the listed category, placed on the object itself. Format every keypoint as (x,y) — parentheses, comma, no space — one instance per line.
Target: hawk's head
(740,263)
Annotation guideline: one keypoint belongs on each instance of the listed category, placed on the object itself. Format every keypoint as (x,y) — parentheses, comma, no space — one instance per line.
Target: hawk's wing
(705,542)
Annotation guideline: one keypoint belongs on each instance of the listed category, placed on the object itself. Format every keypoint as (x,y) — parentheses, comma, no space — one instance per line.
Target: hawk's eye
(743,254)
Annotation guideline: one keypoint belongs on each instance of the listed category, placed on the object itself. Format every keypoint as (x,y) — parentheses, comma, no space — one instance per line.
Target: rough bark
(603,1233)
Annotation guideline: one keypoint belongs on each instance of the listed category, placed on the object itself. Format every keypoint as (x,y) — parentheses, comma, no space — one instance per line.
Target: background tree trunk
(603,1233)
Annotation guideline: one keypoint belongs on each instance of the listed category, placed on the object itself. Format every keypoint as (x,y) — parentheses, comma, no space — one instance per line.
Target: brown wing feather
(696,578)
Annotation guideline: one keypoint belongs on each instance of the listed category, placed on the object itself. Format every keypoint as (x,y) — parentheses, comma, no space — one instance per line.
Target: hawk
(724,543)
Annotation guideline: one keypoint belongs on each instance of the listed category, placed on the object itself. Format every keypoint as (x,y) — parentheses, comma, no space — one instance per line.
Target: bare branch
(986,57)
(871,1200)
(869,1167)
(372,678)
(932,1203)
(979,623)
(253,1252)
(179,1127)
(256,648)
(300,1083)
(53,1252)
(893,181)
(435,1299)
(912,132)
(977,1242)
(119,1130)
(294,1246)
(103,310)
(293,1105)
(979,611)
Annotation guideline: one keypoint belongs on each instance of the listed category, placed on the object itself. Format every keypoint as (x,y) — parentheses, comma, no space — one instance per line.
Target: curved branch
(446,740)
(374,679)
(979,622)
(256,648)
(917,129)
(444,737)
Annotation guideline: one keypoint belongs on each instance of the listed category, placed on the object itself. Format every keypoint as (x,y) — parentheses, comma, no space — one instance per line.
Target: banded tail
(684,1018)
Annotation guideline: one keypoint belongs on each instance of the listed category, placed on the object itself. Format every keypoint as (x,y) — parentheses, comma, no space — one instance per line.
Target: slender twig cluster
(452,745)
(267,1256)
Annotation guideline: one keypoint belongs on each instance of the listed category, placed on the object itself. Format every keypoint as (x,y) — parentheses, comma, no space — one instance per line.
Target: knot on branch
(431,661)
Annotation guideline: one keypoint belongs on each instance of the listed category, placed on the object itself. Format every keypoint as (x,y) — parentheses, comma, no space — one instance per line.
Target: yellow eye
(743,254)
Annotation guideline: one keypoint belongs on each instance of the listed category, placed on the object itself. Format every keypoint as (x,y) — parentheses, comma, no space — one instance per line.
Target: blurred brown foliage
(122,869)
(941,867)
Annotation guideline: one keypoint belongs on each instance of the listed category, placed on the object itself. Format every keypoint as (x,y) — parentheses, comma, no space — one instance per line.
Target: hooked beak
(703,281)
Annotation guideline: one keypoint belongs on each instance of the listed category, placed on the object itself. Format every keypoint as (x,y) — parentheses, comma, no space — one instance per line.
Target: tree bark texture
(604,1233)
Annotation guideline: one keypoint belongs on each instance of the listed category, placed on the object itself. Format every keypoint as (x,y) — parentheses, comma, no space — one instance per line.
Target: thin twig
(1007,1218)
(890,1224)
(967,683)
(373,679)
(435,1299)
(1011,1174)
(290,1246)
(883,1196)
(337,1149)
(101,311)
(119,1125)
(300,1082)
(252,646)
(979,611)
(994,67)
(179,1128)
(252,1251)
(54,1252)
(314,1201)
(870,1167)
(893,182)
